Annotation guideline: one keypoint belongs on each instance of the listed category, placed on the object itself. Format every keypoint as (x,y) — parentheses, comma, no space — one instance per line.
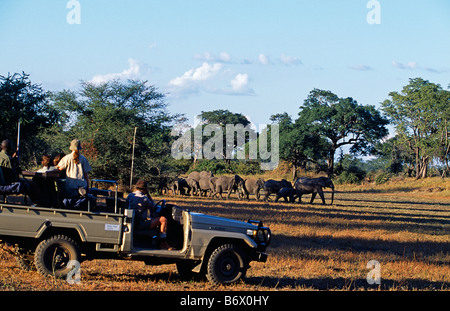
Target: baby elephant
(286,193)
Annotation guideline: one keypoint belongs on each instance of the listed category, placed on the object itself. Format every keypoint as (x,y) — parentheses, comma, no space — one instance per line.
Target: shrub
(383,178)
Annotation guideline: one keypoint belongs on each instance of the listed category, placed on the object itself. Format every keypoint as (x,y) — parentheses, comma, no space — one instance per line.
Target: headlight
(252,233)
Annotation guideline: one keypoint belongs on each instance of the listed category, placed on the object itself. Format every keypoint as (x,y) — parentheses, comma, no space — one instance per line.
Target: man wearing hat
(76,167)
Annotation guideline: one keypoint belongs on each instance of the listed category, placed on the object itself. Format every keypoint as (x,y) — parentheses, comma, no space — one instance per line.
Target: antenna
(132,158)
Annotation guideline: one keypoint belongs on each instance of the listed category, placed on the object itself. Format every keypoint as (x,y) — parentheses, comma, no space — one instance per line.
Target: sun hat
(75,145)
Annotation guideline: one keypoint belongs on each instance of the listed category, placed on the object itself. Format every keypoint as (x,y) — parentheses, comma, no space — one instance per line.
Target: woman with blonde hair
(76,167)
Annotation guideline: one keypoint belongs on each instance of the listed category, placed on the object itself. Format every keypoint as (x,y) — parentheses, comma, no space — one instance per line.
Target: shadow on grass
(343,284)
(407,250)
(286,283)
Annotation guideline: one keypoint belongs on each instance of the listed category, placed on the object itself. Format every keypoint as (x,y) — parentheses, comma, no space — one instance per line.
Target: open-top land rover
(52,238)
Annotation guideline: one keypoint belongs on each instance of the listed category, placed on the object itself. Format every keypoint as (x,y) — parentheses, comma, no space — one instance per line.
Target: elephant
(287,193)
(193,185)
(314,186)
(227,183)
(207,184)
(252,186)
(179,185)
(164,185)
(203,174)
(273,186)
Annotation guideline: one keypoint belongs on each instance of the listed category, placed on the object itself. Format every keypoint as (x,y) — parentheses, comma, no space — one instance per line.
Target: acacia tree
(104,117)
(420,115)
(342,121)
(298,145)
(25,102)
(225,120)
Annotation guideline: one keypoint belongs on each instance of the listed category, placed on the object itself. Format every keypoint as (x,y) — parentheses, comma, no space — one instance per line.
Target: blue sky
(254,57)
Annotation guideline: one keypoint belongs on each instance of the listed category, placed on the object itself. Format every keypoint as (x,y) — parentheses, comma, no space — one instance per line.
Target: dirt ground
(314,247)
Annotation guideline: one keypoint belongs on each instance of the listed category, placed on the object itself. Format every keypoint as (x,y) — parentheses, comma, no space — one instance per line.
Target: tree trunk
(330,169)
(294,173)
(418,166)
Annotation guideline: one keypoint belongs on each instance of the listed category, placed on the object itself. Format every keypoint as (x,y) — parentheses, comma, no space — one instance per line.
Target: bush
(219,167)
(347,177)
(383,178)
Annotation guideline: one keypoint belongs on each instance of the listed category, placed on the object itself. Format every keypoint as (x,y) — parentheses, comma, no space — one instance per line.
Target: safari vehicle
(49,238)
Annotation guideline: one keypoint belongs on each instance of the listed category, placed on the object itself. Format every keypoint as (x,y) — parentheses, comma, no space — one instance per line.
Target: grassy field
(405,226)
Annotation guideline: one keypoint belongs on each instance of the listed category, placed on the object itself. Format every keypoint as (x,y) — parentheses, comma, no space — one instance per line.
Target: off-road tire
(53,255)
(226,265)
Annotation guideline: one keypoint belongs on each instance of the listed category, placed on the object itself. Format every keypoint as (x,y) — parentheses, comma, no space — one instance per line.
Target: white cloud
(361,67)
(415,65)
(239,82)
(132,72)
(263,59)
(239,86)
(289,60)
(223,57)
(202,73)
(409,65)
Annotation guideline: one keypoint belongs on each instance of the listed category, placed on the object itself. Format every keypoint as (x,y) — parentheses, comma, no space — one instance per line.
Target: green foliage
(219,167)
(350,170)
(27,102)
(420,114)
(383,178)
(342,121)
(223,119)
(104,118)
(298,143)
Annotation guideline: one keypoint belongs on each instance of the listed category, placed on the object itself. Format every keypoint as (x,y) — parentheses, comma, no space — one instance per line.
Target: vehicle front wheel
(52,256)
(226,265)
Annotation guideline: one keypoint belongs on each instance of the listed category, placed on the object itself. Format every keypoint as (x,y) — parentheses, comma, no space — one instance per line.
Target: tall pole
(132,158)
(18,141)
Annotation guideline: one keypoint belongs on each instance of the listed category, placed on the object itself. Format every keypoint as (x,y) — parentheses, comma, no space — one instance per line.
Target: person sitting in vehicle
(10,183)
(76,167)
(141,201)
(57,158)
(46,164)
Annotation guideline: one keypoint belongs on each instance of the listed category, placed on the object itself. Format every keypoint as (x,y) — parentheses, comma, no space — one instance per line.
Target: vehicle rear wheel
(52,256)
(226,265)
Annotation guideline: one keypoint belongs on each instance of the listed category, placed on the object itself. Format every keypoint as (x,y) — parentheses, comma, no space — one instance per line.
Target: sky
(253,57)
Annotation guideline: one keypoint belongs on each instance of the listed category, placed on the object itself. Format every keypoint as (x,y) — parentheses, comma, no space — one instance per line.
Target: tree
(342,121)
(298,145)
(104,117)
(420,115)
(21,100)
(228,123)
(396,156)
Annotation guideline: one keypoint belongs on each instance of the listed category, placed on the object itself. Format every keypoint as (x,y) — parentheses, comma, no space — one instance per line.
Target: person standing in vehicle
(76,167)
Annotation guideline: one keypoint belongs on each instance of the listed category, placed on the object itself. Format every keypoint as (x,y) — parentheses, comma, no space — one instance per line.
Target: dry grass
(405,227)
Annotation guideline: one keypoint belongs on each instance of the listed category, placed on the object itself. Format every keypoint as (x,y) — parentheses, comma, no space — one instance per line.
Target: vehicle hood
(208,222)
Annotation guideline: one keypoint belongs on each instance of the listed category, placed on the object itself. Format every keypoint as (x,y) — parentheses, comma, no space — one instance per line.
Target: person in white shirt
(76,167)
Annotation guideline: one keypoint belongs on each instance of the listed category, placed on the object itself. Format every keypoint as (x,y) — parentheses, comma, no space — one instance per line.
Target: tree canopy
(342,121)
(420,114)
(104,118)
(25,102)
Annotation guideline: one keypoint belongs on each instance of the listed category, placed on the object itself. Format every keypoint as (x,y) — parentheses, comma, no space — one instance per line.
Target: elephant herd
(206,184)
